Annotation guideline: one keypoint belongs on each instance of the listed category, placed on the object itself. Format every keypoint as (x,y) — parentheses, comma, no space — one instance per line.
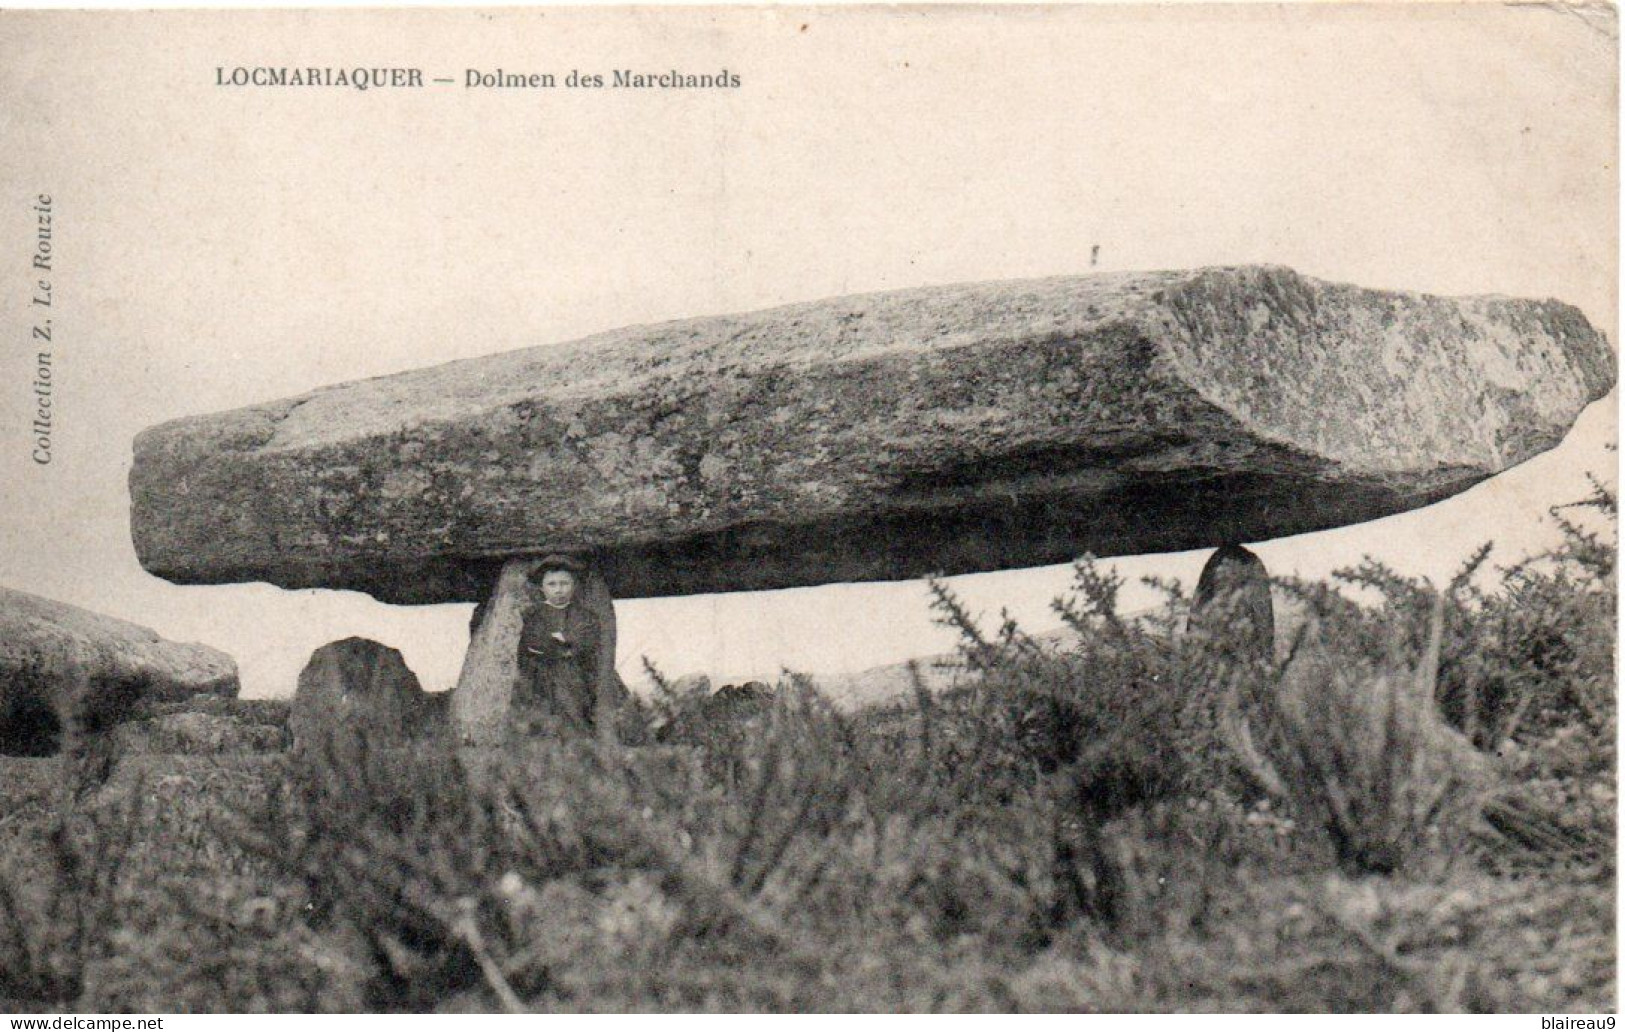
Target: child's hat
(553,562)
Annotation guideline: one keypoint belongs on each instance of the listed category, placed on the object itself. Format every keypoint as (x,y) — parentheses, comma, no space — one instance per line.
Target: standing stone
(1232,608)
(610,693)
(949,430)
(485,685)
(1230,636)
(355,688)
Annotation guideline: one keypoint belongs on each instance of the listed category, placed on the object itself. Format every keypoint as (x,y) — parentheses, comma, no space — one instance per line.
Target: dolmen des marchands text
(884,436)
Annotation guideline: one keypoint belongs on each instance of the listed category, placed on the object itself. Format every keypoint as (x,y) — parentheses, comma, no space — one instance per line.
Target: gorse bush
(1093,732)
(454,868)
(1528,653)
(1360,751)
(1524,670)
(1103,714)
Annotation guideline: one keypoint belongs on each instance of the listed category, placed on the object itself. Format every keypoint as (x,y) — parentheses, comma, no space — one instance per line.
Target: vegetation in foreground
(1414,810)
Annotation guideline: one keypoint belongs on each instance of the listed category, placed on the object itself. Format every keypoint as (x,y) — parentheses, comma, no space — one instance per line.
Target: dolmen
(940,430)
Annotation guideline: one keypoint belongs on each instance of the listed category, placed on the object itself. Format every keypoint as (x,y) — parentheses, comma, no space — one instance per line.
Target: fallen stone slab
(886,436)
(67,670)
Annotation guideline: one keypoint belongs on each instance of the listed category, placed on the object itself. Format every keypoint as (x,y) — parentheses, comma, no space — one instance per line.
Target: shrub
(1098,729)
(1360,750)
(61,907)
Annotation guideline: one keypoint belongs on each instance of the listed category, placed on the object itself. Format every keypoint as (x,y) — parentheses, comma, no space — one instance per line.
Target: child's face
(558,586)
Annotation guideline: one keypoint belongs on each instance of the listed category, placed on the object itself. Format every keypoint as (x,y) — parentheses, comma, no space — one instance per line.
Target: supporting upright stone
(1231,634)
(1232,607)
(484,692)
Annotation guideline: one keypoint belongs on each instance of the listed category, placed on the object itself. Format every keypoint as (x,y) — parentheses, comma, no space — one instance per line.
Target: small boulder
(691,684)
(242,726)
(357,687)
(698,714)
(740,701)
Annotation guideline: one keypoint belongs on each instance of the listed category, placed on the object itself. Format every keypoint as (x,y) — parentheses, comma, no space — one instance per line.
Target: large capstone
(67,671)
(885,436)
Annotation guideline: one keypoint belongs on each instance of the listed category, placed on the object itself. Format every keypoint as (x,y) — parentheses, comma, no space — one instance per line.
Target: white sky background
(223,247)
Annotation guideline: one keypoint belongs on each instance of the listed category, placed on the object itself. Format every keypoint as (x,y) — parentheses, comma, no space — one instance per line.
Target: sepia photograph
(1093,508)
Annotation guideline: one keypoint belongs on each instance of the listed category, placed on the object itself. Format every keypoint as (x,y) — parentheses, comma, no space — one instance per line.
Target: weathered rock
(885,436)
(484,692)
(754,696)
(32,786)
(203,732)
(356,688)
(434,714)
(186,809)
(273,712)
(724,717)
(1232,607)
(691,684)
(64,670)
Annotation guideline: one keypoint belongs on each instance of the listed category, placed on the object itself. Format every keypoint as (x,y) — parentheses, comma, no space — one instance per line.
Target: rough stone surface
(726,712)
(273,712)
(64,669)
(356,688)
(186,808)
(950,429)
(242,726)
(484,691)
(32,789)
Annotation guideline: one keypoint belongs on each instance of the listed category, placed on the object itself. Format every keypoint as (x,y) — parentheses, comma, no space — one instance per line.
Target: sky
(219,247)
